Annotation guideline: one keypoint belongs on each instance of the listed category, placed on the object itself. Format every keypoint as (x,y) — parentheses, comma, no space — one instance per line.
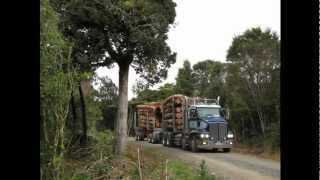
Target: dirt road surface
(227,166)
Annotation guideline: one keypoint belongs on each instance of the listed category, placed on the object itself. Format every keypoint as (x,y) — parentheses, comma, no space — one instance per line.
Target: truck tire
(184,144)
(226,149)
(164,141)
(214,150)
(168,142)
(194,144)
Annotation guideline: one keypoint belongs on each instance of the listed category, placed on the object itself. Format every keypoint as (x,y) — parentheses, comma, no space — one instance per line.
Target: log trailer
(148,117)
(195,123)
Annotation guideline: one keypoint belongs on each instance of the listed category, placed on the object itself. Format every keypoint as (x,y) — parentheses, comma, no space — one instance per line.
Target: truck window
(204,112)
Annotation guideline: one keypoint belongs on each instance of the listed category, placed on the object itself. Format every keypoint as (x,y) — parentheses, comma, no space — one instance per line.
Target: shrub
(203,172)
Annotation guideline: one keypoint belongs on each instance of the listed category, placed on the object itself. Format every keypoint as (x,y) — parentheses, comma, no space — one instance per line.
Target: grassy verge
(97,162)
(156,165)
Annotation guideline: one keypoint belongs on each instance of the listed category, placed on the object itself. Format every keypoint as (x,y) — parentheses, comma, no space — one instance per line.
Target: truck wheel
(194,144)
(168,142)
(164,141)
(214,150)
(152,140)
(226,149)
(184,144)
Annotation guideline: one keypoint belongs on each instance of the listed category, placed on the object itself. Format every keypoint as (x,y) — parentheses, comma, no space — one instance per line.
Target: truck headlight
(230,135)
(204,135)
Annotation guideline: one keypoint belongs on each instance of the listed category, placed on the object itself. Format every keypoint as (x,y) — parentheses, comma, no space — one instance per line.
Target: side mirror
(223,112)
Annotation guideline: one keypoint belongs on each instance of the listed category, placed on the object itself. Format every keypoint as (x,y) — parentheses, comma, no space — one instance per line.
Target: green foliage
(203,172)
(253,85)
(92,161)
(209,79)
(129,32)
(104,146)
(154,166)
(273,137)
(94,113)
(81,177)
(148,95)
(109,117)
(184,80)
(107,91)
(56,84)
(180,171)
(166,90)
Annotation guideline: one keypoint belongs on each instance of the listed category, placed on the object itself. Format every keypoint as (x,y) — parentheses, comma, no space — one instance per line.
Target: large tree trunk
(83,139)
(122,113)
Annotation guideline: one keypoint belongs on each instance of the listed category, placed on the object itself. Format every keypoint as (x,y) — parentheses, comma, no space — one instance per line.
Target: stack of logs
(173,106)
(147,116)
(142,117)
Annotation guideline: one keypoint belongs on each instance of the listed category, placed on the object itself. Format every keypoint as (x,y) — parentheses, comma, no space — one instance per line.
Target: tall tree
(125,32)
(209,78)
(258,54)
(184,80)
(241,120)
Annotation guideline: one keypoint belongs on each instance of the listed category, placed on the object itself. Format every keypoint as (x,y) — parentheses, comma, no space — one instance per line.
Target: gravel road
(231,166)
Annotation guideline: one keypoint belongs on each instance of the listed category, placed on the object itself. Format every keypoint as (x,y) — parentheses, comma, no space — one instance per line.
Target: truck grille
(218,131)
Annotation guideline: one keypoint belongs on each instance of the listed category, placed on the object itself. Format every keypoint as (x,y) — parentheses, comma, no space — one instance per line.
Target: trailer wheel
(226,149)
(151,140)
(194,144)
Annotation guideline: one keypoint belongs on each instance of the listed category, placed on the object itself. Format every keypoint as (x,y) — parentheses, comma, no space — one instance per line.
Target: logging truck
(195,123)
(148,118)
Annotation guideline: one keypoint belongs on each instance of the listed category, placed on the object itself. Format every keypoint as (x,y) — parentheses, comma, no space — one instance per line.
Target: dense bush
(56,83)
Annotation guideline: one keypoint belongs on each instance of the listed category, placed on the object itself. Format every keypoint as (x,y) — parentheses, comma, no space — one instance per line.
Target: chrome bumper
(209,144)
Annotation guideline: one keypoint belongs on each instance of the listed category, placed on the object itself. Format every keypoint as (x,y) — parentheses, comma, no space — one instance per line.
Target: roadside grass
(97,162)
(156,165)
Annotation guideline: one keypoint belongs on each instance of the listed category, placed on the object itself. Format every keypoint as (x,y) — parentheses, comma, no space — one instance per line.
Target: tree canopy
(256,58)
(208,77)
(123,32)
(184,80)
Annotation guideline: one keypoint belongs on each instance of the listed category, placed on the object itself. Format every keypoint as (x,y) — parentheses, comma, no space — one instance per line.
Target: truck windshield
(205,112)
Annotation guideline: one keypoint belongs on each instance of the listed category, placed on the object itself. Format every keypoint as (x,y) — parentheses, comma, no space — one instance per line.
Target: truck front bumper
(209,145)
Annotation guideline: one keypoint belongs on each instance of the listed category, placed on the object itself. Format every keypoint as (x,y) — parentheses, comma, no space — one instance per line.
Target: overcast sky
(204,30)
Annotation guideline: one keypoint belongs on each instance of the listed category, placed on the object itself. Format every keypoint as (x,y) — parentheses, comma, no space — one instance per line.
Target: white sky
(205,29)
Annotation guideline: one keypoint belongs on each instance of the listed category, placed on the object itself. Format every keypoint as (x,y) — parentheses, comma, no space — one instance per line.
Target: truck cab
(195,123)
(207,128)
